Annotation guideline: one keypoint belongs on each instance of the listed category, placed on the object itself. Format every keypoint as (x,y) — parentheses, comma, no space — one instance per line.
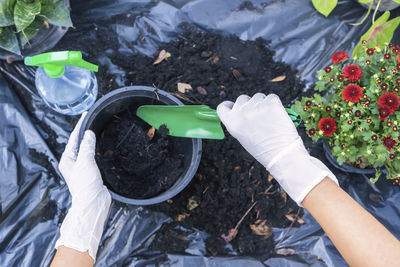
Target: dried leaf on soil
(291,217)
(238,76)
(201,90)
(163,55)
(285,251)
(181,217)
(206,53)
(150,132)
(192,204)
(260,227)
(183,87)
(232,233)
(283,195)
(300,221)
(278,79)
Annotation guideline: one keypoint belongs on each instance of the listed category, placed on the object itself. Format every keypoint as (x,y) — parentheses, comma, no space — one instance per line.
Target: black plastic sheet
(33,196)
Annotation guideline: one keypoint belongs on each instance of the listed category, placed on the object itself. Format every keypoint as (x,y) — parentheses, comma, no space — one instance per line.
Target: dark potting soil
(228,181)
(135,161)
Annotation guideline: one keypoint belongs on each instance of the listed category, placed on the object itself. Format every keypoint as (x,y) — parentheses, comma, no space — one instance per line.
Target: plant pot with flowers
(359,113)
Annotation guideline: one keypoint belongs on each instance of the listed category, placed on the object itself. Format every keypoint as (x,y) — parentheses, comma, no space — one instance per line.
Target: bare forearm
(67,257)
(359,237)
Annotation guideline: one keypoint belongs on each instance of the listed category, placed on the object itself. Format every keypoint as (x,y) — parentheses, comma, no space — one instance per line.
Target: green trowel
(192,121)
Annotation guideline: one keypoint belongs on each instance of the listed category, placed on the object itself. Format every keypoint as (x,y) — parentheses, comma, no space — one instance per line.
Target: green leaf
(25,13)
(8,41)
(364,1)
(6,12)
(31,30)
(324,7)
(381,32)
(56,13)
(397,1)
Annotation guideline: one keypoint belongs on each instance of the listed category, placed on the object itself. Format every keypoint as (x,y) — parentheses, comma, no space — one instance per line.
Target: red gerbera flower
(396,50)
(352,72)
(389,101)
(352,93)
(339,56)
(389,142)
(327,125)
(384,113)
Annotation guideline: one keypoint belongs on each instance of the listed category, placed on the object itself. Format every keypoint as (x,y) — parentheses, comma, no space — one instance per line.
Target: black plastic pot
(134,96)
(344,167)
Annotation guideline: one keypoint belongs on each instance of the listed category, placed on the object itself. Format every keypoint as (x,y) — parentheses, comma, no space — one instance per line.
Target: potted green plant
(22,20)
(358,116)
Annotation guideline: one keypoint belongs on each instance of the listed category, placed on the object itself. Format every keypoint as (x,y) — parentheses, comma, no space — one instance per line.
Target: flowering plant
(359,113)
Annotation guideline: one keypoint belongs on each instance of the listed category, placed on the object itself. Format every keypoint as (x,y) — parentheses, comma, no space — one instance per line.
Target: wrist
(299,175)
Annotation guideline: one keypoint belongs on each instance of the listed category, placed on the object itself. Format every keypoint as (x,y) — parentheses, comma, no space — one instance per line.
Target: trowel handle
(210,114)
(207,113)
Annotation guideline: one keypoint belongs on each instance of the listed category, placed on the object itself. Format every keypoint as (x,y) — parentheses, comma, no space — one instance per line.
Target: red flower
(370,51)
(384,113)
(339,56)
(327,125)
(352,72)
(398,59)
(352,93)
(396,50)
(389,101)
(389,142)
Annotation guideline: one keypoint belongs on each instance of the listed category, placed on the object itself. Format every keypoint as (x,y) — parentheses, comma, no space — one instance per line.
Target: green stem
(376,9)
(365,17)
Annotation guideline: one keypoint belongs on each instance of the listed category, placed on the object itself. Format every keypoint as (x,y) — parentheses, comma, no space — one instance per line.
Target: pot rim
(185,177)
(344,167)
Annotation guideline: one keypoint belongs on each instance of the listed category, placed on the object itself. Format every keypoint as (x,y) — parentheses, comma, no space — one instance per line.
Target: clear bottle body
(72,93)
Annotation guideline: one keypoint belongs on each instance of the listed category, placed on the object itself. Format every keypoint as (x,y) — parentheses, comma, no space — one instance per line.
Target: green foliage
(6,12)
(324,7)
(358,139)
(21,20)
(381,32)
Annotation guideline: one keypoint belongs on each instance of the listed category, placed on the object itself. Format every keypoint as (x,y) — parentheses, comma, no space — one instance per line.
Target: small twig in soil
(244,216)
(287,231)
(126,135)
(267,190)
(205,190)
(155,92)
(233,232)
(183,97)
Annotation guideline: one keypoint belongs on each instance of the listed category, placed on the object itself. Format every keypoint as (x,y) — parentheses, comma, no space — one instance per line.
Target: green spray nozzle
(54,63)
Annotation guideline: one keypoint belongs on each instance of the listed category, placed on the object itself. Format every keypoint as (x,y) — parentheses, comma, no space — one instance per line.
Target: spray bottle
(65,81)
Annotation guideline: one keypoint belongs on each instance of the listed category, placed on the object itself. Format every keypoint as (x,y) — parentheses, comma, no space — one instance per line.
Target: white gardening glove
(83,226)
(265,130)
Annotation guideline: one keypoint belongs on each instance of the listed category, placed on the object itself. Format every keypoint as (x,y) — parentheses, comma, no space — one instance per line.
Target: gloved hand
(265,130)
(82,228)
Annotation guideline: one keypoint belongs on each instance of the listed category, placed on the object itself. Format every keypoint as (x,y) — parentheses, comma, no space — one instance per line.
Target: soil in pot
(136,160)
(228,181)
